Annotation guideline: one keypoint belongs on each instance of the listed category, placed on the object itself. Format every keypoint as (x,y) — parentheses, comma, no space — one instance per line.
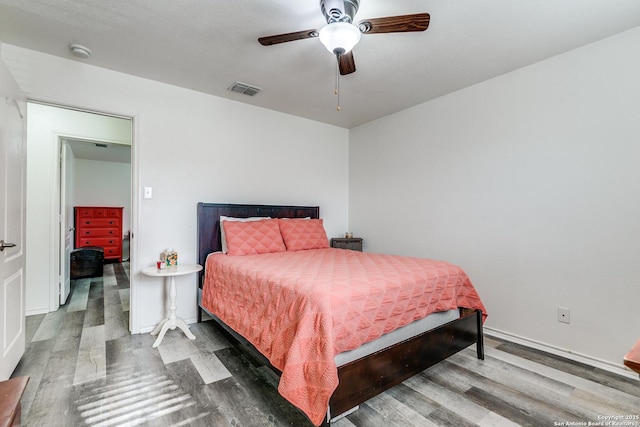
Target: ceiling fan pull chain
(337,89)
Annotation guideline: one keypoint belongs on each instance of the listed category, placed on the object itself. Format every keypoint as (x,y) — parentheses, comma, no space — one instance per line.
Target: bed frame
(369,376)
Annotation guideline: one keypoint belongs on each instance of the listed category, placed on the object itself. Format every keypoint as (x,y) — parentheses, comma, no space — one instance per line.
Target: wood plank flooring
(86,369)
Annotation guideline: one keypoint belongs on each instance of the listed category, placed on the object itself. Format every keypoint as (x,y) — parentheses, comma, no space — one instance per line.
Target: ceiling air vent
(244,89)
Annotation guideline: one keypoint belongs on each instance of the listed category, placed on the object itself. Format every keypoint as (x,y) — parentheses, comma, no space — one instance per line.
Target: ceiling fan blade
(288,37)
(346,63)
(395,24)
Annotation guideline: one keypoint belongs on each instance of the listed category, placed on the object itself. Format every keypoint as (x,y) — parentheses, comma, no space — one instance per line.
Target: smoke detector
(80,51)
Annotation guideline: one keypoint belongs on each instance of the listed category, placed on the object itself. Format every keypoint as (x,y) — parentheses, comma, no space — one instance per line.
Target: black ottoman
(87,262)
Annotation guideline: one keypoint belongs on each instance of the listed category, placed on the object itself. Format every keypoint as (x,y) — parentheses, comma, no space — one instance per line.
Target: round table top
(176,270)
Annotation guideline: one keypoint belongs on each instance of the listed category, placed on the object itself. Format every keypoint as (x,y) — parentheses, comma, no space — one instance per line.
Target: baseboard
(148,329)
(567,354)
(34,312)
(145,330)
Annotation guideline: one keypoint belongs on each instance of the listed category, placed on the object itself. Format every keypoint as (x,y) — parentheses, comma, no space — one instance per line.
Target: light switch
(148,192)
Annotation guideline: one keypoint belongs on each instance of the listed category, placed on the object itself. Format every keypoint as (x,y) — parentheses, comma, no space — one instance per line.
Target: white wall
(193,147)
(100,183)
(45,127)
(530,182)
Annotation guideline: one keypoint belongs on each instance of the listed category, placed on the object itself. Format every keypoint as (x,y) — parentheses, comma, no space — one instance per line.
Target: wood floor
(86,369)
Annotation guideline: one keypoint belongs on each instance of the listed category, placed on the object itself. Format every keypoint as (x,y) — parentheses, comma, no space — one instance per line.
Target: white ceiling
(206,45)
(98,150)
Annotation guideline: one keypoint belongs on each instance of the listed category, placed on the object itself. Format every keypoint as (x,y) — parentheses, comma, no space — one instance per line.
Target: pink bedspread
(300,309)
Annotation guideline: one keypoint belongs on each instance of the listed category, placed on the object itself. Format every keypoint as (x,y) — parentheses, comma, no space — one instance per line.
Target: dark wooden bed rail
(364,378)
(361,380)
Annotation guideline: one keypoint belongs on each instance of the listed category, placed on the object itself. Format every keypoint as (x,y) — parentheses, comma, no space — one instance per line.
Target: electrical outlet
(564,315)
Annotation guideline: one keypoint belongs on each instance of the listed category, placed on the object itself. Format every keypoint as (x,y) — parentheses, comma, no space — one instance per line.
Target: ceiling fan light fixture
(340,37)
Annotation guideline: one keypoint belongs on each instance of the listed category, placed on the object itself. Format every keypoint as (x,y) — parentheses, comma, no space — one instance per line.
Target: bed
(360,373)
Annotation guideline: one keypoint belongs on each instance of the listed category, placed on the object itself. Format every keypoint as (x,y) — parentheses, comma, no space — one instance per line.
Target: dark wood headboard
(209,221)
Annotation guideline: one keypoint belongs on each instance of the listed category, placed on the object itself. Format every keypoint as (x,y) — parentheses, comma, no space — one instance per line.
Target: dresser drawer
(91,212)
(112,252)
(111,248)
(113,213)
(97,232)
(98,241)
(99,222)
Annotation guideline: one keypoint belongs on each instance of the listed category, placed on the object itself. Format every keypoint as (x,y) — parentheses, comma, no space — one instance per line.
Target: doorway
(69,163)
(92,173)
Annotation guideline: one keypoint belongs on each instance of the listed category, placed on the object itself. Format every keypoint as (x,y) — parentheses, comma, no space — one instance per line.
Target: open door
(13,165)
(66,222)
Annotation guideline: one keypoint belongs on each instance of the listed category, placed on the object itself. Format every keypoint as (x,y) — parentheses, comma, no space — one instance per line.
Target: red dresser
(100,226)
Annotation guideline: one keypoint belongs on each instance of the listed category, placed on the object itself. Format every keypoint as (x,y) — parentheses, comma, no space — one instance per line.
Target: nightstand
(353,243)
(171,321)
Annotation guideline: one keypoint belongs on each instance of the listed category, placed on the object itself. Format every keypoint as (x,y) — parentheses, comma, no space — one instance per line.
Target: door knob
(5,245)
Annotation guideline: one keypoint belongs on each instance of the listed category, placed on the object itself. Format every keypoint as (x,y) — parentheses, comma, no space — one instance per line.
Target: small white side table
(171,322)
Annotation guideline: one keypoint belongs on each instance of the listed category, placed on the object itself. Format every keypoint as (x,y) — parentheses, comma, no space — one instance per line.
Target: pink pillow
(253,237)
(299,234)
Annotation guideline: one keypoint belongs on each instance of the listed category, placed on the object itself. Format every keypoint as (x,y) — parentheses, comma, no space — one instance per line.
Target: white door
(66,221)
(12,223)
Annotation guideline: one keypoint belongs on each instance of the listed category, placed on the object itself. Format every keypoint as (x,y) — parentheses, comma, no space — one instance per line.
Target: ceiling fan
(340,35)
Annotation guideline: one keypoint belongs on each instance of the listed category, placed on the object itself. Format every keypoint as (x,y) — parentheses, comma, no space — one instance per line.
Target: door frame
(64,254)
(55,188)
